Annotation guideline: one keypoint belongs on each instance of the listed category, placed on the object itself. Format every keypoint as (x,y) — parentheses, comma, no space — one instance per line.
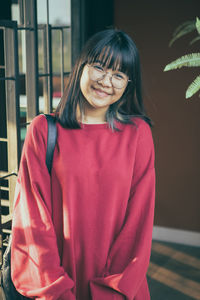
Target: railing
(10,80)
(5,212)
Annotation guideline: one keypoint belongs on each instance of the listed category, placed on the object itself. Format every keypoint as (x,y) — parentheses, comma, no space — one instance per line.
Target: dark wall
(177,130)
(89,17)
(98,15)
(5,10)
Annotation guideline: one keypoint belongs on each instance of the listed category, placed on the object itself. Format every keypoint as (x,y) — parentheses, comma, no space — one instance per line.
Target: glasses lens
(96,72)
(119,81)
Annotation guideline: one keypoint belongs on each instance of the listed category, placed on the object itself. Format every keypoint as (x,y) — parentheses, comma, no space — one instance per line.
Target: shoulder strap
(51,140)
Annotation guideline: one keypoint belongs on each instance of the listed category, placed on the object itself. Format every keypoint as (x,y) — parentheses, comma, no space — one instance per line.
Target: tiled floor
(174,272)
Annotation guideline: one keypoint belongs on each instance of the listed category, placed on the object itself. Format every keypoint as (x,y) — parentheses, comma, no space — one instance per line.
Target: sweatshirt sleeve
(35,270)
(129,255)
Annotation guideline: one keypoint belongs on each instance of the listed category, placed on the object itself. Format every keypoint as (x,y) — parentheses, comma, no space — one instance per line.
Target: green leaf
(197,38)
(193,87)
(198,25)
(181,26)
(182,30)
(189,60)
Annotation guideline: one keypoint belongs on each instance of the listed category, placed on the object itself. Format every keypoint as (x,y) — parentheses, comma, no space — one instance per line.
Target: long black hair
(115,50)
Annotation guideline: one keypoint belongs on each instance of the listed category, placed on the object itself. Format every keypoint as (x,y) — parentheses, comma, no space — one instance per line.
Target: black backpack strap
(51,140)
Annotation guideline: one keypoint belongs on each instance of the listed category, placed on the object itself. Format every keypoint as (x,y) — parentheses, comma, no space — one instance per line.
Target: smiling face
(99,94)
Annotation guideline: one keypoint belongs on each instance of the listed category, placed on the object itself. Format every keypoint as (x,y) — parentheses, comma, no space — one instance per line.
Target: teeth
(101,92)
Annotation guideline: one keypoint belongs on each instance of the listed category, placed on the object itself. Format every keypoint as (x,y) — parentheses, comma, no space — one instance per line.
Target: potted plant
(188,60)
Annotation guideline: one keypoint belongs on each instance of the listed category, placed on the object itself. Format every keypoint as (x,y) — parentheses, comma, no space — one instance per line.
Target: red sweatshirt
(85,231)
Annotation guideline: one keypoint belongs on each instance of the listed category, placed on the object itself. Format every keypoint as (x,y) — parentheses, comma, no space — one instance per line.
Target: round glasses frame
(98,73)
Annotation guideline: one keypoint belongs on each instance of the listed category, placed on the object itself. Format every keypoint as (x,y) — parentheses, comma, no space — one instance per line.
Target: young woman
(85,231)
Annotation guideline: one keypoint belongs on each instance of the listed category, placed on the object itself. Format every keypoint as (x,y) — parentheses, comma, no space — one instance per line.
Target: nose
(107,80)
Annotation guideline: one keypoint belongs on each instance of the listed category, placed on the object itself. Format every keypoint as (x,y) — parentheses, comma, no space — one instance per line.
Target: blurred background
(39,42)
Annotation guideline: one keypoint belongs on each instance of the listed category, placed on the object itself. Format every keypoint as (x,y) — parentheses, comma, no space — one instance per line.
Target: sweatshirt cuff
(100,291)
(68,295)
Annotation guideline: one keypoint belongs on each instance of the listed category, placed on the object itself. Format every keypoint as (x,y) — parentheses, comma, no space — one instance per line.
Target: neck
(92,115)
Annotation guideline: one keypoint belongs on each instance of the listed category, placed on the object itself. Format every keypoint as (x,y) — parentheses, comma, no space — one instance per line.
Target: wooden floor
(1,297)
(174,272)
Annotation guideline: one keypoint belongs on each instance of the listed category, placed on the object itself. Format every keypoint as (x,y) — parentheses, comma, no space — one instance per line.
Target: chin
(99,104)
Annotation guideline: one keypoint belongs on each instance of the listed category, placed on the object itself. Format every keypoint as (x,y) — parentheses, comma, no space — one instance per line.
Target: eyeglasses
(118,79)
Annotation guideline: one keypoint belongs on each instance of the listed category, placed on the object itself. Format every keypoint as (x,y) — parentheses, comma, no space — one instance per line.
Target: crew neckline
(94,125)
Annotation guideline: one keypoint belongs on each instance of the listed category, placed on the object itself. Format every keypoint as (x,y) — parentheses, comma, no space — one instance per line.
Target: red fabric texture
(85,232)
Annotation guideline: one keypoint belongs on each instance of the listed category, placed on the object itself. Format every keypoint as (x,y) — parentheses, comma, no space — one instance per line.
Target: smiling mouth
(100,92)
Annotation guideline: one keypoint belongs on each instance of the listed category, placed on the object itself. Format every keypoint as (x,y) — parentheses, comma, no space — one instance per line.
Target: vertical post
(30,21)
(47,80)
(48,63)
(45,68)
(49,66)
(62,60)
(12,103)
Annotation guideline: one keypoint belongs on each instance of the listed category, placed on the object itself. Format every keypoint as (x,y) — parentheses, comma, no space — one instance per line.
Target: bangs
(112,56)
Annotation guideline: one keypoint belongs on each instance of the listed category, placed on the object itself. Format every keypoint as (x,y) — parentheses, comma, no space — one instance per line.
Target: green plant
(188,60)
